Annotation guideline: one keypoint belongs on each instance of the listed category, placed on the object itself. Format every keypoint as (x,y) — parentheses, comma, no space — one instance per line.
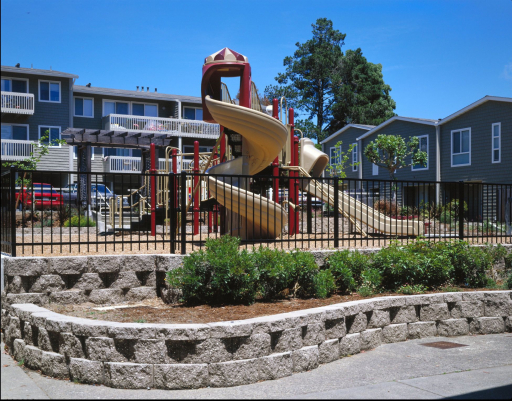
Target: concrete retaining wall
(180,356)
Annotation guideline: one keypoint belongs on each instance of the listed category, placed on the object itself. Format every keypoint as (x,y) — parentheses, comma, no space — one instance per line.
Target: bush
(274,270)
(80,221)
(509,282)
(447,218)
(469,263)
(219,275)
(387,207)
(324,283)
(412,289)
(346,267)
(302,274)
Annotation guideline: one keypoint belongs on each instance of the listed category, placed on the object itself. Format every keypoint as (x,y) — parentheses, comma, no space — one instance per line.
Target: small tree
(390,152)
(337,168)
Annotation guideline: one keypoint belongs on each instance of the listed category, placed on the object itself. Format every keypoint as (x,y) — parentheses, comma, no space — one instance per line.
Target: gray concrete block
(239,328)
(211,350)
(275,323)
(140,294)
(182,332)
(26,266)
(287,340)
(370,339)
(313,334)
(388,302)
(151,280)
(180,376)
(275,366)
(165,263)
(67,265)
(39,318)
(33,357)
(90,328)
(424,299)
(350,344)
(254,346)
(138,263)
(487,325)
(453,327)
(18,349)
(233,373)
(102,349)
(394,333)
(150,351)
(306,358)
(103,264)
(54,365)
(404,314)
(335,328)
(497,304)
(128,375)
(86,371)
(71,297)
(473,296)
(70,346)
(467,309)
(453,297)
(333,312)
(357,323)
(27,333)
(379,318)
(89,282)
(508,323)
(14,285)
(43,340)
(433,312)
(126,280)
(30,298)
(132,331)
(310,316)
(421,330)
(351,308)
(24,311)
(329,351)
(107,296)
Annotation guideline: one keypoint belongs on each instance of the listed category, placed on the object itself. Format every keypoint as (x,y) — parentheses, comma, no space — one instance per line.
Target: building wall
(480,120)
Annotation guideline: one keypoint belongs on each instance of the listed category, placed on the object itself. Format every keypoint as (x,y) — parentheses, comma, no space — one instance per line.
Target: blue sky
(438,56)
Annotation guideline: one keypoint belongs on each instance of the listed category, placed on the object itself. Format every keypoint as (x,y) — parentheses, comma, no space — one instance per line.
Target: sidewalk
(481,370)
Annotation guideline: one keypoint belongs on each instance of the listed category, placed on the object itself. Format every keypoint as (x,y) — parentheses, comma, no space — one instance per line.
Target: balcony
(18,103)
(126,164)
(15,149)
(157,125)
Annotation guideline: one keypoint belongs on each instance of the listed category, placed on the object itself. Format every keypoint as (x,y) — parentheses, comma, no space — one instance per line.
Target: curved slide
(313,161)
(264,137)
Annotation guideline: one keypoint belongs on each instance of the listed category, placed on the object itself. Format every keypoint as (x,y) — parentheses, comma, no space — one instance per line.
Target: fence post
(461,210)
(13,210)
(336,209)
(183,208)
(172,206)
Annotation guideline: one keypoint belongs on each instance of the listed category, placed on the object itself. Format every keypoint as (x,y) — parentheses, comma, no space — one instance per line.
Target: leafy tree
(360,94)
(336,168)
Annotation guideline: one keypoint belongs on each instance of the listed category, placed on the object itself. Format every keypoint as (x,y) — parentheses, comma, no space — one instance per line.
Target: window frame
(50,126)
(49,94)
(499,143)
(75,153)
(375,169)
(209,149)
(17,79)
(83,98)
(355,156)
(451,148)
(21,125)
(332,149)
(428,154)
(130,107)
(189,107)
(131,153)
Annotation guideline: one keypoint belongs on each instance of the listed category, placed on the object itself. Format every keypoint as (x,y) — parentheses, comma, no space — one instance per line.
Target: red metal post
(275,163)
(198,193)
(152,171)
(174,160)
(291,181)
(296,179)
(223,158)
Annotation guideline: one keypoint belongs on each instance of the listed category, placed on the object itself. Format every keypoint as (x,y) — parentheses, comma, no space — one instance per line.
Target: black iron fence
(45,212)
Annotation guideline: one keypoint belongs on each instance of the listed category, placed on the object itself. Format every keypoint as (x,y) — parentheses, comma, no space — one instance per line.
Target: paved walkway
(481,370)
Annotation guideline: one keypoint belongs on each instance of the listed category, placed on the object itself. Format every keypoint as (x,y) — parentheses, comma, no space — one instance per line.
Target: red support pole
(174,160)
(275,163)
(223,159)
(296,179)
(152,171)
(291,180)
(198,193)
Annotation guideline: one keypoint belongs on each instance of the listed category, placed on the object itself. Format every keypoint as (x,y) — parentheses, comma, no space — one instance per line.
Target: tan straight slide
(314,161)
(264,137)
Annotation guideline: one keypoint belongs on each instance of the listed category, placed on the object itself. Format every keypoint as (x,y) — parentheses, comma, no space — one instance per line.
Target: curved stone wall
(181,356)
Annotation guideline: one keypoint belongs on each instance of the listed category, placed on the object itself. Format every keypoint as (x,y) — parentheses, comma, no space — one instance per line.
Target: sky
(437,56)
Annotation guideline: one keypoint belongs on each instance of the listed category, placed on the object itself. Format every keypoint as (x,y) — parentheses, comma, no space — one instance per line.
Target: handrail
(17,103)
(255,100)
(225,96)
(285,111)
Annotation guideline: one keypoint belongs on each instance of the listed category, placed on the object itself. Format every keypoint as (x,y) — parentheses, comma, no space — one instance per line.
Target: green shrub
(324,283)
(302,273)
(509,282)
(274,269)
(447,218)
(469,263)
(412,289)
(80,221)
(219,275)
(347,267)
(495,253)
(365,291)
(508,261)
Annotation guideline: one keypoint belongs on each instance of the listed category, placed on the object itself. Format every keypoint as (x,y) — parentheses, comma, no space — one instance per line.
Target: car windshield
(102,189)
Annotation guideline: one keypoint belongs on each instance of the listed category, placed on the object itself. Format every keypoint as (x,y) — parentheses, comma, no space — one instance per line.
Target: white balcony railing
(17,103)
(157,125)
(16,149)
(126,164)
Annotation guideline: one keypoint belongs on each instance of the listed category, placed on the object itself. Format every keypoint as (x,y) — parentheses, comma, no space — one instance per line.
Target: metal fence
(43,216)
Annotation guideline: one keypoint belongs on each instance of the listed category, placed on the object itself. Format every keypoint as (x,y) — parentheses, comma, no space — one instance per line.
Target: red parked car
(44,196)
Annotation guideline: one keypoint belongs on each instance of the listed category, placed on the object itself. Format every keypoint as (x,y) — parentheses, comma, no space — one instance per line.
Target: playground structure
(250,141)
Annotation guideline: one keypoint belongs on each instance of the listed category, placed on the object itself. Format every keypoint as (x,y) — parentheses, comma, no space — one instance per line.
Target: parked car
(100,195)
(315,202)
(41,196)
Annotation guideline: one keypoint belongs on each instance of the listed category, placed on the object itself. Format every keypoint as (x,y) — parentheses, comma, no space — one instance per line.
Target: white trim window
(75,153)
(17,85)
(496,143)
(54,134)
(122,152)
(423,146)
(334,155)
(49,91)
(375,169)
(461,147)
(355,157)
(193,113)
(18,132)
(144,109)
(115,107)
(84,107)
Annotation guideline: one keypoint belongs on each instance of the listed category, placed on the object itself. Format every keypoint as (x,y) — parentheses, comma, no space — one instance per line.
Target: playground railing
(307,213)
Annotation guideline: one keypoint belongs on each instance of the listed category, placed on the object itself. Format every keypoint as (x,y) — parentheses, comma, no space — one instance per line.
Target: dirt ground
(156,311)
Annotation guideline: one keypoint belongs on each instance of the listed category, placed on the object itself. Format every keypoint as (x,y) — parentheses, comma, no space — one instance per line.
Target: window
(424,148)
(75,153)
(15,85)
(354,157)
(16,132)
(53,134)
(335,155)
(496,143)
(49,91)
(142,109)
(112,107)
(190,149)
(461,147)
(84,107)
(190,113)
(375,169)
(122,152)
